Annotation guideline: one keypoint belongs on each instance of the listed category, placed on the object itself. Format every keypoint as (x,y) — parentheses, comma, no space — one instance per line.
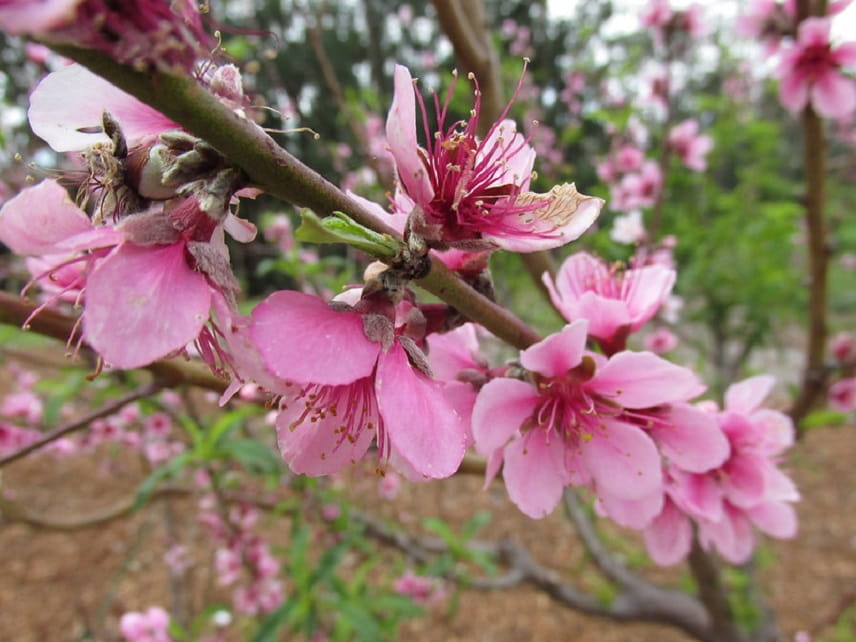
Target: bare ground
(56,586)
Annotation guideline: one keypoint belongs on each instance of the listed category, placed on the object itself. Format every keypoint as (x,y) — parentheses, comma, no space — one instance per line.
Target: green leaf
(339,228)
(823,418)
(365,625)
(253,455)
(224,425)
(273,623)
(150,483)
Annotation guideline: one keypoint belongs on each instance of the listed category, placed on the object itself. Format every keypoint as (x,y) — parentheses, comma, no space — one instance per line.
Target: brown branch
(170,373)
(713,596)
(277,172)
(83,422)
(814,375)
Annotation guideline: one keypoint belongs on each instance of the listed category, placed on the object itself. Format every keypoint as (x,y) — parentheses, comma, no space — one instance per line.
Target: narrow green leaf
(339,228)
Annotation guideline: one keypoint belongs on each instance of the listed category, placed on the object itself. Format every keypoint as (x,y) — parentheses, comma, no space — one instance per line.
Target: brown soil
(57,586)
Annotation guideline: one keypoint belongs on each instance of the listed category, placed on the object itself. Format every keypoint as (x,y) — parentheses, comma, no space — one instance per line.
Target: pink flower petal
(793,91)
(845,55)
(776,519)
(623,461)
(422,425)
(517,167)
(691,439)
(732,536)
(501,408)
(558,353)
(566,215)
(833,95)
(647,288)
(669,537)
(744,479)
(239,229)
(401,135)
(643,380)
(303,339)
(35,18)
(316,445)
(69,101)
(39,217)
(631,513)
(144,303)
(451,352)
(606,317)
(533,474)
(698,495)
(746,396)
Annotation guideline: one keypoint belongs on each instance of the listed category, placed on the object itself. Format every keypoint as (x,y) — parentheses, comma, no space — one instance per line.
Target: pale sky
(843,25)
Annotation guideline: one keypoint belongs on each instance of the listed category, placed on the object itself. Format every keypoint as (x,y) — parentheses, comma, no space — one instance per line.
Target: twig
(605,562)
(280,174)
(171,373)
(83,422)
(814,374)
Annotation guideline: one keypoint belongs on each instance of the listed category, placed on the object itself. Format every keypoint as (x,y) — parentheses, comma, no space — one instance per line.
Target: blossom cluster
(811,70)
(376,370)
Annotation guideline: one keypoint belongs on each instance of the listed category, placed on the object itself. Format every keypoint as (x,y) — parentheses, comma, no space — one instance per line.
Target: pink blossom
(470,190)
(843,346)
(638,189)
(278,230)
(262,596)
(389,485)
(811,72)
(25,404)
(227,563)
(748,488)
(842,395)
(661,341)
(65,112)
(332,407)
(566,423)
(177,558)
(13,438)
(615,302)
(422,590)
(628,228)
(148,626)
(767,21)
(155,34)
(657,14)
(629,158)
(689,145)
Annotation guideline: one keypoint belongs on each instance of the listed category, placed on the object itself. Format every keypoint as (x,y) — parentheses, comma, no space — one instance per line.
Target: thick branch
(712,594)
(83,422)
(171,373)
(814,373)
(280,174)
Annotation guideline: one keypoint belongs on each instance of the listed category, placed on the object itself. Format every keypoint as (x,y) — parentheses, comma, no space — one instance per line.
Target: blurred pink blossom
(842,395)
(661,341)
(691,146)
(810,72)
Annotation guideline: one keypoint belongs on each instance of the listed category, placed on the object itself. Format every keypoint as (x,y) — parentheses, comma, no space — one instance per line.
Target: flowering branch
(83,422)
(170,373)
(471,40)
(280,174)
